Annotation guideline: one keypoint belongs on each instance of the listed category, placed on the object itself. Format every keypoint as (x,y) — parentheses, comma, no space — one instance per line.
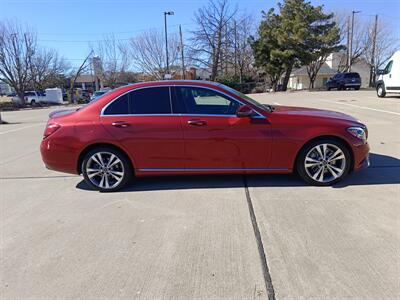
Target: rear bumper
(58,157)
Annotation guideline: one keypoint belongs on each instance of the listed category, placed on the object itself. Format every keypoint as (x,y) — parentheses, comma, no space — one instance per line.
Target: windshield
(257,104)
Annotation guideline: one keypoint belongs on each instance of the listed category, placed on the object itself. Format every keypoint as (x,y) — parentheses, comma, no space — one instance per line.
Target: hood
(61,112)
(313,112)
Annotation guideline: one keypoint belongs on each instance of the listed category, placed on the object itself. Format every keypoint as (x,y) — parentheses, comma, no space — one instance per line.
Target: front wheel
(380,91)
(323,162)
(106,169)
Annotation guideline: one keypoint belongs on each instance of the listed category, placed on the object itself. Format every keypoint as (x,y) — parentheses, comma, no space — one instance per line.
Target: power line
(116,32)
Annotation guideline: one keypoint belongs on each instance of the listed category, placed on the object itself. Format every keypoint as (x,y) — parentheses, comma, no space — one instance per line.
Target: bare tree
(148,52)
(115,59)
(243,28)
(209,41)
(76,74)
(385,45)
(358,46)
(17,50)
(47,69)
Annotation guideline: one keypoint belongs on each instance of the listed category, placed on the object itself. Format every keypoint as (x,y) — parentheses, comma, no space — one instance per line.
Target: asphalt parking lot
(194,237)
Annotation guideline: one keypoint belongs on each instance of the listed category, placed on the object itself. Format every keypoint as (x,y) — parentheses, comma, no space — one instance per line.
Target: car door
(214,137)
(390,78)
(142,121)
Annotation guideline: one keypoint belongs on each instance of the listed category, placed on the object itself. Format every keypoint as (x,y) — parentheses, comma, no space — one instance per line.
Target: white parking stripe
(363,107)
(21,128)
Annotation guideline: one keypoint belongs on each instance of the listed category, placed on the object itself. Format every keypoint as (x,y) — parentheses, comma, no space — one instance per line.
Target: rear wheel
(33,102)
(106,169)
(357,88)
(323,162)
(380,91)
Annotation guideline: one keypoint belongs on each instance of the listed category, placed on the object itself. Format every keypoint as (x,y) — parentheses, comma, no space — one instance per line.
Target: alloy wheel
(105,170)
(325,163)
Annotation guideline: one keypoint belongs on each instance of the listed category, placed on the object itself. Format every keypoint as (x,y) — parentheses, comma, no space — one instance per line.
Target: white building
(299,79)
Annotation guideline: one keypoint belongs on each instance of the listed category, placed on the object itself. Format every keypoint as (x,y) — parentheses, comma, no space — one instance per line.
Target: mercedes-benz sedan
(195,127)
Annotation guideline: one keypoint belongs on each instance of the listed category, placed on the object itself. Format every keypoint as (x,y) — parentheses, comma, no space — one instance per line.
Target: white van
(389,78)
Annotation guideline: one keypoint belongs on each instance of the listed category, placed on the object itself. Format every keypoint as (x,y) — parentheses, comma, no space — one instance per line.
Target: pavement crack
(261,251)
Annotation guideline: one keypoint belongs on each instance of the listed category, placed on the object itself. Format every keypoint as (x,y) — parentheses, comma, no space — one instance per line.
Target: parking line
(21,128)
(363,107)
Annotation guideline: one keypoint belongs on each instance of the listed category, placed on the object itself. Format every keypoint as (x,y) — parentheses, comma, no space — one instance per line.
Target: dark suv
(342,81)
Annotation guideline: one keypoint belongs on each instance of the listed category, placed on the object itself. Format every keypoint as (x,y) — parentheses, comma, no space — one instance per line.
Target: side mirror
(244,112)
(380,72)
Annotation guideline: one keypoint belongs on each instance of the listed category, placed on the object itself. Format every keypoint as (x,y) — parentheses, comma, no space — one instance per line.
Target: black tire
(380,90)
(328,88)
(33,103)
(305,174)
(109,173)
(357,88)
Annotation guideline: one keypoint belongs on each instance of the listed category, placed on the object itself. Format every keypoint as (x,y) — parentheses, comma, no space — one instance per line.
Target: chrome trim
(169,115)
(207,170)
(259,115)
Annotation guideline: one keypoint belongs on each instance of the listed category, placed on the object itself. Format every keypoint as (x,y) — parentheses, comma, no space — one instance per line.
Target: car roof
(174,82)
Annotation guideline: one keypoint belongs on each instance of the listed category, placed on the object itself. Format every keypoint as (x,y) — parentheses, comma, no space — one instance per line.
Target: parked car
(389,78)
(343,81)
(195,127)
(31,97)
(97,94)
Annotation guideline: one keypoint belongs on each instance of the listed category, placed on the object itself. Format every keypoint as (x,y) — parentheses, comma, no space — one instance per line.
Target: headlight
(358,132)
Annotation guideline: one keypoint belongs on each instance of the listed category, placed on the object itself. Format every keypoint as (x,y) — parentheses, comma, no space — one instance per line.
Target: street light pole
(351,37)
(169,13)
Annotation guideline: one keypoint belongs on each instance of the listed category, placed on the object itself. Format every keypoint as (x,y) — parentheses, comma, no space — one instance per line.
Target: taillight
(50,129)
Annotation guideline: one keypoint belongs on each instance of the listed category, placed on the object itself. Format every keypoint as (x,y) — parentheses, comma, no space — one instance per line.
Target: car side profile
(343,81)
(196,127)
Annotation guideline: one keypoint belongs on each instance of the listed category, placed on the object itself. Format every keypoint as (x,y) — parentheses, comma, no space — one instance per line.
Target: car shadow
(383,170)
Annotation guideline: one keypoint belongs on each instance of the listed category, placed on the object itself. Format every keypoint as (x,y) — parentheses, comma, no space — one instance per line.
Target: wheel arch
(96,145)
(322,137)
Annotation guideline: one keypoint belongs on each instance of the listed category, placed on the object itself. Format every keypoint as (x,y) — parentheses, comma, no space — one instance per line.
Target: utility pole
(348,44)
(372,74)
(226,49)
(169,13)
(30,53)
(351,37)
(235,32)
(182,57)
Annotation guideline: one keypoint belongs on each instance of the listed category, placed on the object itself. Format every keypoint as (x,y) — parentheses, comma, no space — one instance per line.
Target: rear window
(352,75)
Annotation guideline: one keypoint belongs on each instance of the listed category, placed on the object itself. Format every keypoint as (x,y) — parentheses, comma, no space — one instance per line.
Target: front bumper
(361,156)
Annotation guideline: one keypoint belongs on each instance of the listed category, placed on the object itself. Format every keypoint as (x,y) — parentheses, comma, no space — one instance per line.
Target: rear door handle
(197,122)
(120,124)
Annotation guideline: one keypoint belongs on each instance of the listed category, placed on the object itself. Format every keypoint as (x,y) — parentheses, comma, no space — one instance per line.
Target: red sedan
(195,127)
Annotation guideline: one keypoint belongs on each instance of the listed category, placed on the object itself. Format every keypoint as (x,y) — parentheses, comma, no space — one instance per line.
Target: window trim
(258,116)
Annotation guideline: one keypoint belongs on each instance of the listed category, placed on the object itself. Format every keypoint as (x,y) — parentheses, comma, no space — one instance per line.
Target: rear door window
(148,101)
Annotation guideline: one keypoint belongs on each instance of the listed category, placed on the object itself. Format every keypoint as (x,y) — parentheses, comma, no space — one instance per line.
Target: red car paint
(167,144)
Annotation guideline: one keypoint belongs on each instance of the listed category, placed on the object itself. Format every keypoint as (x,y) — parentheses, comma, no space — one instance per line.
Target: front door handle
(120,124)
(197,122)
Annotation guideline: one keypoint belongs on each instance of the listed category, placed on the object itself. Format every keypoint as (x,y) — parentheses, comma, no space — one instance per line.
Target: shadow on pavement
(383,170)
